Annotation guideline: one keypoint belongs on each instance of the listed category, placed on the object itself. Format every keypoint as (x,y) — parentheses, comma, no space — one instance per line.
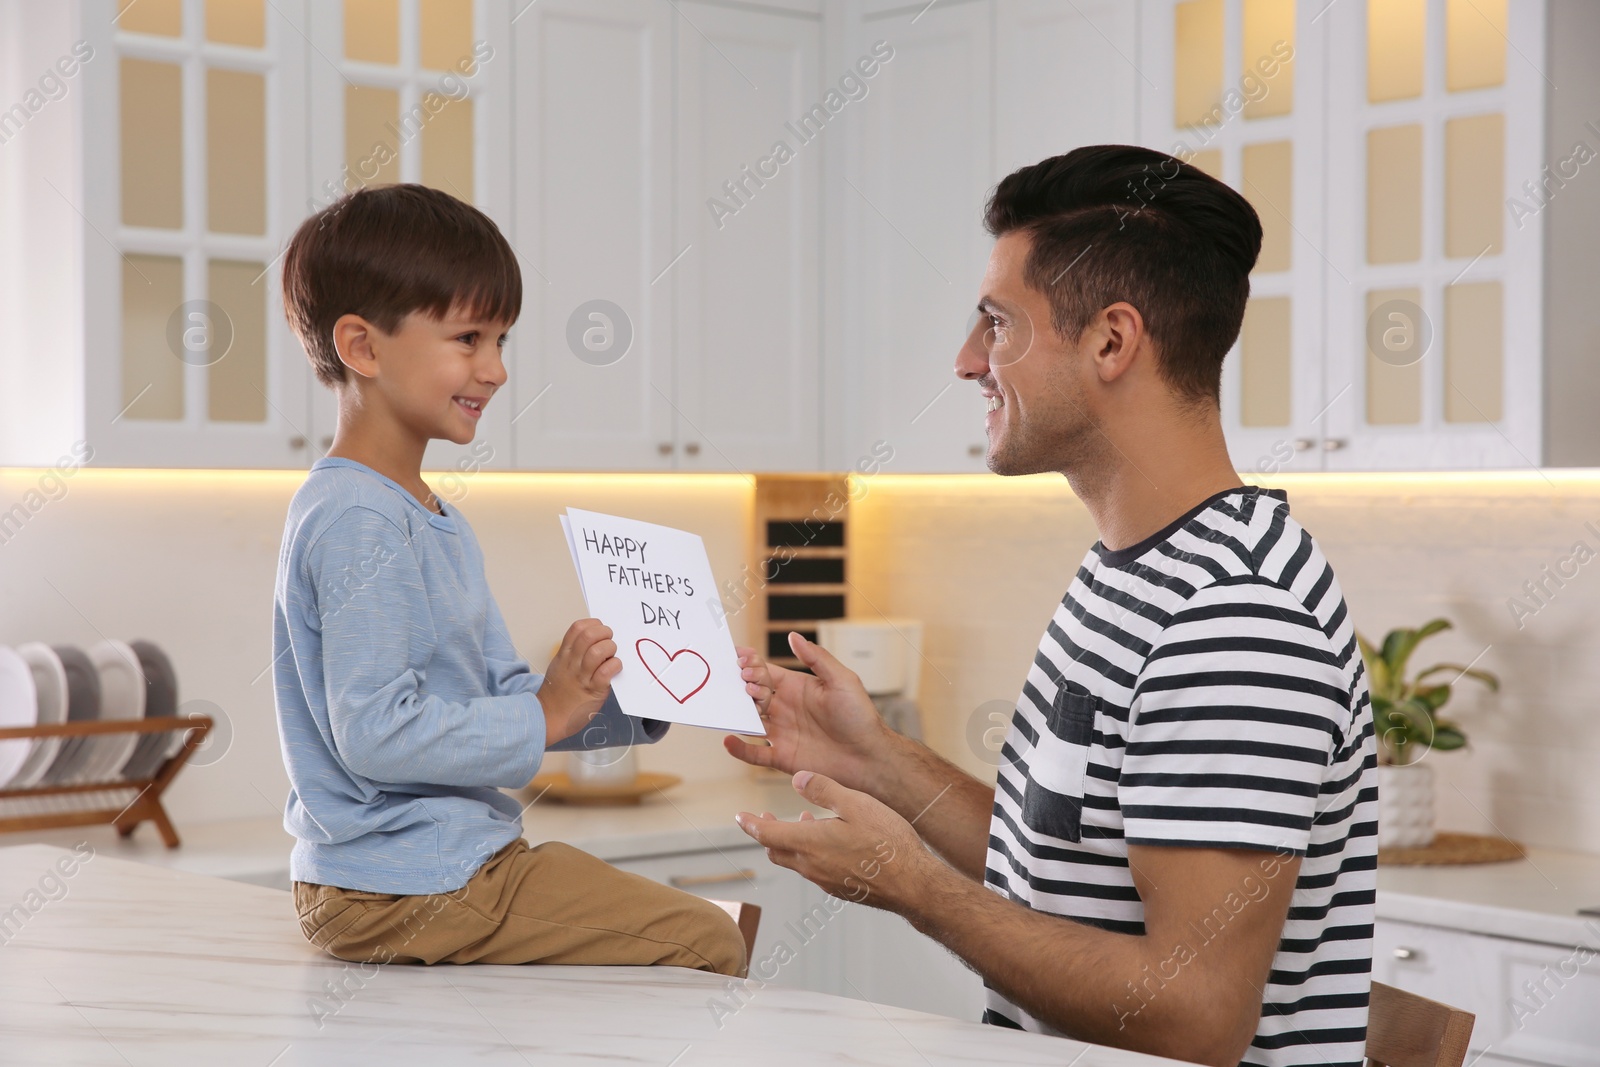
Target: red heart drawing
(665,659)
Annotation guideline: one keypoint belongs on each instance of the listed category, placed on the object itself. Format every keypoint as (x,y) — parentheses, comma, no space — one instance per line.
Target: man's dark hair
(386,251)
(1114,222)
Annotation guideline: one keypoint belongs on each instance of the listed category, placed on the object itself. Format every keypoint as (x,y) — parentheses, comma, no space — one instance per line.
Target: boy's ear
(353,338)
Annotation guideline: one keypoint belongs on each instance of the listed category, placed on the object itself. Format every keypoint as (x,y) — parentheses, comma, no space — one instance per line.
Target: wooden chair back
(1405,1030)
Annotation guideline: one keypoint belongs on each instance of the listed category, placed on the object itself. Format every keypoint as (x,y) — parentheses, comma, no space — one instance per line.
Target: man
(1180,855)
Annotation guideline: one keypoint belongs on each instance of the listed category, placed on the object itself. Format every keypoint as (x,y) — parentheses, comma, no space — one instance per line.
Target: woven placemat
(1448,848)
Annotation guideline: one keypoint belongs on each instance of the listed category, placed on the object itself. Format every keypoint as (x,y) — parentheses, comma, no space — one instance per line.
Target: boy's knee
(722,943)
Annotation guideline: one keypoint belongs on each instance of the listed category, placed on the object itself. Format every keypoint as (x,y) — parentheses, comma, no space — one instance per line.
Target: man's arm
(1190,987)
(949,809)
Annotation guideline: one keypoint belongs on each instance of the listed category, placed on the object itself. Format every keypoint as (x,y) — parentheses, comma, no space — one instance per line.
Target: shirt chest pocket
(1052,802)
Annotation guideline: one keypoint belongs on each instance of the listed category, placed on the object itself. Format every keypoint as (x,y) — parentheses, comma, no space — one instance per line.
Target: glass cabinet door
(193,176)
(1234,87)
(1435,117)
(418,91)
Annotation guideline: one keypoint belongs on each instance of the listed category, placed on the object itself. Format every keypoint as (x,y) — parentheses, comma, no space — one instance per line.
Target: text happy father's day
(622,571)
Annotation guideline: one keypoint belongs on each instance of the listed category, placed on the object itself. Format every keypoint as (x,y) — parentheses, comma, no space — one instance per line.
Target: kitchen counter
(121,962)
(688,817)
(1532,899)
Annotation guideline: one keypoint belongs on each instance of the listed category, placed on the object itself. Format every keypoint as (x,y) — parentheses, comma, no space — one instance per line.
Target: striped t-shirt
(1203,688)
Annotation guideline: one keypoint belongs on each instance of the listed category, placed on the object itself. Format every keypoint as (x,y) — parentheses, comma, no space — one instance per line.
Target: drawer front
(1535,1003)
(797,941)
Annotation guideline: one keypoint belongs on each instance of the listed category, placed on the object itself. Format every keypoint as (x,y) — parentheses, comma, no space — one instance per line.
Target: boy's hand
(578,679)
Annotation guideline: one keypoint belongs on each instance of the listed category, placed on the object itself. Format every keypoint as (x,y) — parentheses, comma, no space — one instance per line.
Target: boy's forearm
(949,808)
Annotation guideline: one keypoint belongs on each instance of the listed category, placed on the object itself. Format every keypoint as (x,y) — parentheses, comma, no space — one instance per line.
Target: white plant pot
(1405,806)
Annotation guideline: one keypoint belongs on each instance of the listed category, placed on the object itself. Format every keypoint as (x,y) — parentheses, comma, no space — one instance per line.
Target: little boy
(402,703)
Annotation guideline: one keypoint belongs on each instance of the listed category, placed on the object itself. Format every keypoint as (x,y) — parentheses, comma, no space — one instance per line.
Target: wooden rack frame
(135,799)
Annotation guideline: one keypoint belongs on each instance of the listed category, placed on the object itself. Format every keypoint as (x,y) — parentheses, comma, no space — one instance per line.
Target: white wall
(187,559)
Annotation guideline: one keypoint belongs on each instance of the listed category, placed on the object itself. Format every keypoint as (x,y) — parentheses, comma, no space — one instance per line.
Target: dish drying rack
(122,802)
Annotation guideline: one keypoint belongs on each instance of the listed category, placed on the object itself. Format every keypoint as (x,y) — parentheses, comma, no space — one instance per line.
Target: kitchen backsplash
(187,559)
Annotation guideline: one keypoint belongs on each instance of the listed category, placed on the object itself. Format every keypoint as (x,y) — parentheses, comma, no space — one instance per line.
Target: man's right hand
(823,722)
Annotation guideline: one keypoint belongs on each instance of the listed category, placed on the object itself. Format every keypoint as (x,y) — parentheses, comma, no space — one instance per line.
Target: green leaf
(1399,644)
(1418,719)
(1434,696)
(1446,738)
(1461,672)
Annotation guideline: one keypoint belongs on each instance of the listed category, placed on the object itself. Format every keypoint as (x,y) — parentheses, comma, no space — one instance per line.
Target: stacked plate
(112,680)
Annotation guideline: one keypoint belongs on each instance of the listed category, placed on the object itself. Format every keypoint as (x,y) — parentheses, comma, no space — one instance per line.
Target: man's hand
(823,721)
(868,854)
(578,679)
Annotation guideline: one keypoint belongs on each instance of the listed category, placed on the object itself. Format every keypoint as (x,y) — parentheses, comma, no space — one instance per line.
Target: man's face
(438,374)
(1039,417)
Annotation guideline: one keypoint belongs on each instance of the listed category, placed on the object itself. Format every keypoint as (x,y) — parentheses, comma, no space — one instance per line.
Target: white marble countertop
(1533,899)
(124,963)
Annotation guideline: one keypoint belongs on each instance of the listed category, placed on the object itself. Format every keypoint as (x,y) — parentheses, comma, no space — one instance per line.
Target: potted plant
(1405,716)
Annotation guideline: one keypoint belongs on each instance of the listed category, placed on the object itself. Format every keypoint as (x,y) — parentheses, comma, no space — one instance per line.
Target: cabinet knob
(1332,444)
(665,448)
(297,442)
(1302,444)
(975,450)
(1403,953)
(693,448)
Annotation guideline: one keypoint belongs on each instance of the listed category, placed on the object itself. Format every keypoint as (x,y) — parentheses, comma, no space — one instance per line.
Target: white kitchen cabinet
(794,913)
(416,91)
(594,223)
(1235,88)
(752,121)
(1534,1002)
(974,90)
(828,945)
(888,961)
(149,196)
(676,312)
(1395,319)
(920,163)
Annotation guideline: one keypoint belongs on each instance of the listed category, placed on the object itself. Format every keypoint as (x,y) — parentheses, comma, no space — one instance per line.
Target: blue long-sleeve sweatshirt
(402,703)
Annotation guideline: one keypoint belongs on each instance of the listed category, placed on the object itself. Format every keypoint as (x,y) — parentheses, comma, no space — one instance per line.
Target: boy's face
(435,375)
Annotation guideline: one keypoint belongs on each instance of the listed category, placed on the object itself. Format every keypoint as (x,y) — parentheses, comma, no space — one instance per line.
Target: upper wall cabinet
(963,93)
(750,231)
(1395,314)
(176,156)
(1435,349)
(415,91)
(669,206)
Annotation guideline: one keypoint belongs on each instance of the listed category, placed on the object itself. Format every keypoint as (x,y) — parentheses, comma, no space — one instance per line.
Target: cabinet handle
(1302,444)
(327,442)
(665,448)
(975,450)
(1332,444)
(693,448)
(1403,953)
(297,442)
(684,881)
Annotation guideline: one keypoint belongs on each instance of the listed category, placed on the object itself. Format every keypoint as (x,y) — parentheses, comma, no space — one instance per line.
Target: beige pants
(551,904)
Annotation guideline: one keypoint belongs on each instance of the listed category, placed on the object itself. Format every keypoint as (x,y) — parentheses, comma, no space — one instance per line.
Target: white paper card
(653,586)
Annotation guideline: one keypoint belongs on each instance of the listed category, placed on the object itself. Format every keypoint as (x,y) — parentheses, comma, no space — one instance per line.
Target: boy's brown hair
(386,251)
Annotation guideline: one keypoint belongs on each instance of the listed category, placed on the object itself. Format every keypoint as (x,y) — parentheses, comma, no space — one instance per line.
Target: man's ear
(353,338)
(1116,333)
